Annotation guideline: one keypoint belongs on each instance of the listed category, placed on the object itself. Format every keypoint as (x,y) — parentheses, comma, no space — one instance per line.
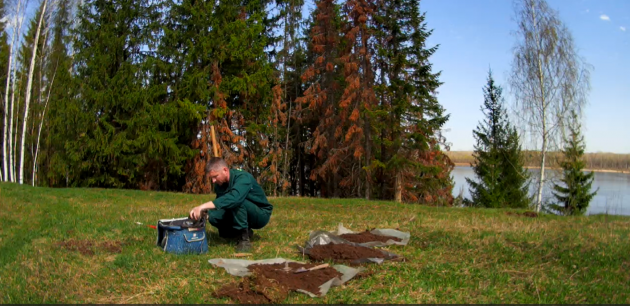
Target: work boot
(244,245)
(250,233)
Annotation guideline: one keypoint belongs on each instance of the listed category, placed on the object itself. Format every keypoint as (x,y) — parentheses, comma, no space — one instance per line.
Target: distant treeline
(595,161)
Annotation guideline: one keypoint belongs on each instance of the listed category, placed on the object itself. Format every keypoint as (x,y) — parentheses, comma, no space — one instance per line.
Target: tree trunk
(12,138)
(41,122)
(542,174)
(335,185)
(284,93)
(541,79)
(368,159)
(6,152)
(302,179)
(28,89)
(398,186)
(5,134)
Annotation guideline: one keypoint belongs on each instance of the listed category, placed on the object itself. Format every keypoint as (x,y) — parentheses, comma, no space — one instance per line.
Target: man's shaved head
(215,164)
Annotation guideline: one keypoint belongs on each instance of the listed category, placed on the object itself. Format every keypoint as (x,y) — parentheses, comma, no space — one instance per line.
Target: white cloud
(13,21)
(604,17)
(622,28)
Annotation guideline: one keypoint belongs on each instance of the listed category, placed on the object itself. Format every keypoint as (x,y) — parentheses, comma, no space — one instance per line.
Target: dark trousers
(231,222)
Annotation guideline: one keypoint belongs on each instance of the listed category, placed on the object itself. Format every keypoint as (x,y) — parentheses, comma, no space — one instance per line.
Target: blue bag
(182,236)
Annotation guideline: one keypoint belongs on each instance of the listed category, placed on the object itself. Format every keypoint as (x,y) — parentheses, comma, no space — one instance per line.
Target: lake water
(613,196)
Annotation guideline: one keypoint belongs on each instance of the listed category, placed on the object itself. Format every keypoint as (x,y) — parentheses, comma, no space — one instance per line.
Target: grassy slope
(454,256)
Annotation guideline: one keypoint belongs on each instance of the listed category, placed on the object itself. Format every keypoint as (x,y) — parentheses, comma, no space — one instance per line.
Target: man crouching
(240,206)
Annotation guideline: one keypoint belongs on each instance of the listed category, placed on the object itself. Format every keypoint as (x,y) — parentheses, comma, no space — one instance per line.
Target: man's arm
(235,195)
(196,212)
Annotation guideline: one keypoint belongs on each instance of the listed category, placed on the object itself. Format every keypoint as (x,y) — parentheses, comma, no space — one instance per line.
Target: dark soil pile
(343,252)
(272,283)
(367,237)
(254,290)
(86,247)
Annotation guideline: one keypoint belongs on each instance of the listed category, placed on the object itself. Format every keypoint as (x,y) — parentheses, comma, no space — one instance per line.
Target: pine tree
(574,194)
(498,164)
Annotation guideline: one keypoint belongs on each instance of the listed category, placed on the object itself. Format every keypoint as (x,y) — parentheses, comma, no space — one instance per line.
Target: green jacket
(242,187)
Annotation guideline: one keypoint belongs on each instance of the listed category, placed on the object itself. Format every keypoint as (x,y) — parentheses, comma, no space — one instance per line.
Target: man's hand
(196,212)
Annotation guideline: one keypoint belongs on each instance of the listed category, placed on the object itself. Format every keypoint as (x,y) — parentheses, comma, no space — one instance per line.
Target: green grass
(454,256)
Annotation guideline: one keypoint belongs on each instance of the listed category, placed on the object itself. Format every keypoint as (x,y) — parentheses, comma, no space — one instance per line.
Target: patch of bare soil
(366,236)
(530,214)
(88,248)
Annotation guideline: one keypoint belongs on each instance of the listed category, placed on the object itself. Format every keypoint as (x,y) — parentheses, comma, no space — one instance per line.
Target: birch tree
(4,59)
(5,129)
(28,89)
(548,78)
(41,123)
(8,113)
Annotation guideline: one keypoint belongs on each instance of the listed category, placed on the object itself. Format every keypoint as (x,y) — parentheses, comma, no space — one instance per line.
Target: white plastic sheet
(239,267)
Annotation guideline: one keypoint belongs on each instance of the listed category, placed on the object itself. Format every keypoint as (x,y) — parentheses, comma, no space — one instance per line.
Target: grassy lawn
(454,256)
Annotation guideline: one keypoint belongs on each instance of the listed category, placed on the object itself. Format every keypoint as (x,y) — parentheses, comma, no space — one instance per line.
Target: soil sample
(343,252)
(254,290)
(271,283)
(366,236)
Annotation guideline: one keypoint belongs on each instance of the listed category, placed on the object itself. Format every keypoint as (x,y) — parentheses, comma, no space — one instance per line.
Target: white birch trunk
(9,132)
(35,147)
(543,107)
(39,133)
(13,142)
(6,137)
(29,84)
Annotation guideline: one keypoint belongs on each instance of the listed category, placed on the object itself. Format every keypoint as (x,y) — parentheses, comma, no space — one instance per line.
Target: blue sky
(476,35)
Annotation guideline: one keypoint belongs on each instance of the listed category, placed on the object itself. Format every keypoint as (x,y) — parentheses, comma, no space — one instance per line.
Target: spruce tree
(54,162)
(292,55)
(318,105)
(129,135)
(515,178)
(413,167)
(574,194)
(498,166)
(213,55)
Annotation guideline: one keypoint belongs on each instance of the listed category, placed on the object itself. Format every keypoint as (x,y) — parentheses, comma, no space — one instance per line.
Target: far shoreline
(532,167)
